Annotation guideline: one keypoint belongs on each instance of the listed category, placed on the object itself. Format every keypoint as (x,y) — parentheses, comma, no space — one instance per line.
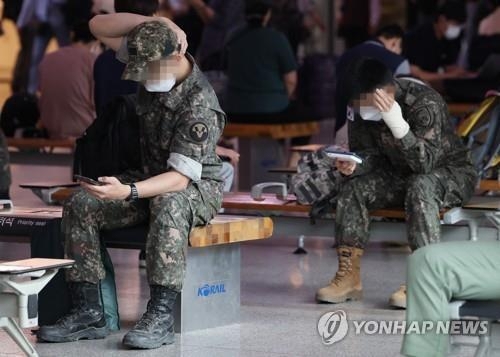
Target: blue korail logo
(211,289)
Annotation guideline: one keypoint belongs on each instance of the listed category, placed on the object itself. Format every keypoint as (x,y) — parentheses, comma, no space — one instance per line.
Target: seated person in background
(486,41)
(220,18)
(107,69)
(227,170)
(412,158)
(180,188)
(433,48)
(66,86)
(439,273)
(385,47)
(5,176)
(262,73)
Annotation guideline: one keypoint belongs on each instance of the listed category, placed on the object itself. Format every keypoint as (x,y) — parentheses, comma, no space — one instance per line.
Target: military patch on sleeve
(424,117)
(198,132)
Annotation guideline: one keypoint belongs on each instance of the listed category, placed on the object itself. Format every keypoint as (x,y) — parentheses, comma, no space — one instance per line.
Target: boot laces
(344,268)
(149,318)
(146,322)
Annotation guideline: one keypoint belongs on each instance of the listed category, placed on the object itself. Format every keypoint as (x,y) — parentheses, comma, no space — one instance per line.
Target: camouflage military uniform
(5,177)
(187,122)
(427,170)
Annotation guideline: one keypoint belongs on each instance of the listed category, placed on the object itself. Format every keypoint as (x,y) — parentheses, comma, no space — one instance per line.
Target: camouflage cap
(147,42)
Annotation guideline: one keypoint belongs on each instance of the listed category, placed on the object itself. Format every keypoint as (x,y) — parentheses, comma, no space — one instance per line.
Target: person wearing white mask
(433,48)
(179,186)
(412,158)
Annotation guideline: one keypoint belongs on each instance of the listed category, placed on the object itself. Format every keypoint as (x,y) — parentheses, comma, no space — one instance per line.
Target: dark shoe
(156,326)
(85,320)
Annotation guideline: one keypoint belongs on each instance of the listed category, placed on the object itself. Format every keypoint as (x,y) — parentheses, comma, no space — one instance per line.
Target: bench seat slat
(221,230)
(231,229)
(274,131)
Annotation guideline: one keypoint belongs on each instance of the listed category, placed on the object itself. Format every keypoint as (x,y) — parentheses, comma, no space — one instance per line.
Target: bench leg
(210,296)
(300,246)
(15,332)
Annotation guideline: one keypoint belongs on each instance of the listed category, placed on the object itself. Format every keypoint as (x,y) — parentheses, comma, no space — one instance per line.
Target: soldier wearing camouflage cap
(179,187)
(411,158)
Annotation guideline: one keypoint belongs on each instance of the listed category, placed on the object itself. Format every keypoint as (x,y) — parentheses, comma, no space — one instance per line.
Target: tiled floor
(279,316)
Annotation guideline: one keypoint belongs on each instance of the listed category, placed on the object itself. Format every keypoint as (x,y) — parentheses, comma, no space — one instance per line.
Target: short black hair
(139,7)
(255,10)
(81,32)
(453,10)
(364,76)
(390,31)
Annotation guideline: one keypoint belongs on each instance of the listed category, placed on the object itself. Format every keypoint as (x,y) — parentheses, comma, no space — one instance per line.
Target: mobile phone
(87,180)
(343,155)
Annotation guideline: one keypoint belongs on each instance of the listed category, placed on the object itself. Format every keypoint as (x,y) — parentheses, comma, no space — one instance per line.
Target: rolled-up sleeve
(185,165)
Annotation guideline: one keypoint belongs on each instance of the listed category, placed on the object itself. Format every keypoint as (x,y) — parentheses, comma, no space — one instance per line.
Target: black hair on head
(139,7)
(364,76)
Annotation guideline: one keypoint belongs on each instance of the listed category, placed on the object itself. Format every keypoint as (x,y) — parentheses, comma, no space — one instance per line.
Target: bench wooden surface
(273,131)
(40,143)
(270,203)
(461,109)
(221,230)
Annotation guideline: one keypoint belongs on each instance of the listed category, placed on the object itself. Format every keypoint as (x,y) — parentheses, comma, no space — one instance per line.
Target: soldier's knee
(169,209)
(81,203)
(350,188)
(421,189)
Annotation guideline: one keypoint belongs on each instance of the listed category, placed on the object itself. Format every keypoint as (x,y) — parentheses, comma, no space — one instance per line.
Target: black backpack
(20,111)
(110,145)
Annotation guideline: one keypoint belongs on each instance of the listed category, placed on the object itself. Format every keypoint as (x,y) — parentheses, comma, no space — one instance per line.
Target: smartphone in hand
(87,180)
(343,155)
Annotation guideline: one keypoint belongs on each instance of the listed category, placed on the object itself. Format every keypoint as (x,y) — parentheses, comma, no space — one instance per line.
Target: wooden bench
(211,293)
(19,299)
(461,109)
(287,212)
(42,144)
(259,145)
(273,131)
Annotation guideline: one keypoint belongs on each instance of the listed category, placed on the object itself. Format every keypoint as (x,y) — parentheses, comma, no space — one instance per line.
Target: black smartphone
(87,180)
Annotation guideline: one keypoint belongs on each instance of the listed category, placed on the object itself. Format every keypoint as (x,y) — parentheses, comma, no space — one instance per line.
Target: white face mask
(162,85)
(452,32)
(370,113)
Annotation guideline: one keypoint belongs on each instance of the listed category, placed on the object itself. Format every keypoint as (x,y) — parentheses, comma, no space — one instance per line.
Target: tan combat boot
(346,285)
(398,298)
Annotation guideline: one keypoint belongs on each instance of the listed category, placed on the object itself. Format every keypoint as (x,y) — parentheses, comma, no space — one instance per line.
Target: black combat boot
(84,321)
(156,326)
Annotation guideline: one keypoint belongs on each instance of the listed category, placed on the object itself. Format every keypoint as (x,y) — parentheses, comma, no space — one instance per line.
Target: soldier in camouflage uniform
(180,187)
(5,177)
(411,158)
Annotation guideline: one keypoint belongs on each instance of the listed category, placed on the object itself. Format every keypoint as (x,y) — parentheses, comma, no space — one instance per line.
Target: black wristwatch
(134,195)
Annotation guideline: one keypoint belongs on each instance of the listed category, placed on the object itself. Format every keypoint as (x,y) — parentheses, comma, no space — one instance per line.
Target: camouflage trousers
(422,196)
(171,217)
